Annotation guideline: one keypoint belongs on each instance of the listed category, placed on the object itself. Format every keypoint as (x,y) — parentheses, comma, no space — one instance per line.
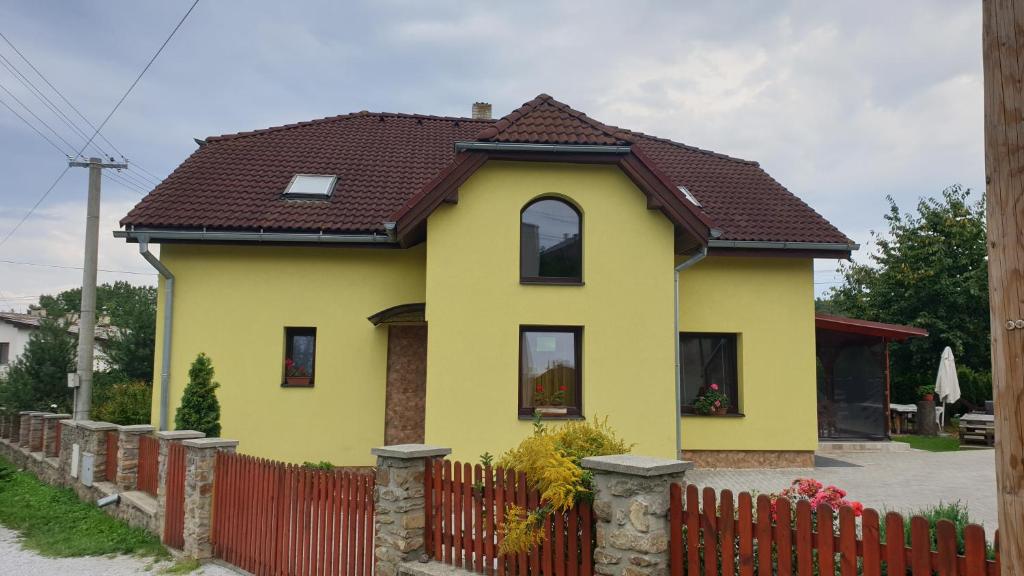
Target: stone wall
(85,437)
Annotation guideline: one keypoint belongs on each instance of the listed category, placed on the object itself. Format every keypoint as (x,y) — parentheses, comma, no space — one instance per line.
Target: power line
(34,129)
(41,121)
(47,103)
(102,124)
(68,102)
(60,266)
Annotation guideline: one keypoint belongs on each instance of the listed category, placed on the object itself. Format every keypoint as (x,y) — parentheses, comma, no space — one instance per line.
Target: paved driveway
(901,481)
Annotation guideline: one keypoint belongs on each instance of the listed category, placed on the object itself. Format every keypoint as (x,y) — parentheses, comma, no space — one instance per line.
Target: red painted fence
(174,510)
(56,441)
(465,509)
(727,538)
(149,454)
(110,471)
(275,518)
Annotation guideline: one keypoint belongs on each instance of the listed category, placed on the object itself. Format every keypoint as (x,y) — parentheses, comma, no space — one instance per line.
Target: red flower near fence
(816,494)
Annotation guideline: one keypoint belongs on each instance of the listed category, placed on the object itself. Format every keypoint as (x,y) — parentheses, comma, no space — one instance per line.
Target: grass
(54,522)
(931,443)
(955,512)
(183,566)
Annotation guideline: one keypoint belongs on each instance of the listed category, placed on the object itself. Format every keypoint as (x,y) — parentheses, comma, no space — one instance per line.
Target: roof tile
(236,181)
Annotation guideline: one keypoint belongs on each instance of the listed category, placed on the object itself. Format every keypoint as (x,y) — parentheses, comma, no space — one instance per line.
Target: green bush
(975,387)
(124,403)
(199,408)
(955,512)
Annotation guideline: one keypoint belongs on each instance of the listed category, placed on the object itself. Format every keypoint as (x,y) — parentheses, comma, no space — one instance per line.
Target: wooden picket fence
(466,507)
(110,469)
(149,464)
(174,508)
(276,518)
(729,537)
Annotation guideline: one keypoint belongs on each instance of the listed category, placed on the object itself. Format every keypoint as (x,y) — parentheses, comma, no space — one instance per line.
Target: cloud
(57,238)
(844,103)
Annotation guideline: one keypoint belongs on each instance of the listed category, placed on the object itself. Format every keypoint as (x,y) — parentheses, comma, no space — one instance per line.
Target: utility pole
(87,315)
(1003,55)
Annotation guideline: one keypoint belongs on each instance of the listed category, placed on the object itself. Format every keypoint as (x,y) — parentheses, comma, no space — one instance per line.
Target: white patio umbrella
(947,386)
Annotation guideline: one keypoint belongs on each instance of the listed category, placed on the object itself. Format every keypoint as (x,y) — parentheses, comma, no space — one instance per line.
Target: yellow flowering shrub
(550,458)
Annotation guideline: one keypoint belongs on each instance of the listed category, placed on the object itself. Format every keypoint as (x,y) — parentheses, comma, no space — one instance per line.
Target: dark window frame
(557,280)
(734,395)
(5,353)
(572,412)
(289,333)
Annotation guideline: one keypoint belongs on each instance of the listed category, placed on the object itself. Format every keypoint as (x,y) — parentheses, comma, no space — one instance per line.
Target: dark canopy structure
(853,375)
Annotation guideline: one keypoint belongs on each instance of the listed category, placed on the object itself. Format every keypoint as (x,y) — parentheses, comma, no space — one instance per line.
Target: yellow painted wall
(233,302)
(769,302)
(475,305)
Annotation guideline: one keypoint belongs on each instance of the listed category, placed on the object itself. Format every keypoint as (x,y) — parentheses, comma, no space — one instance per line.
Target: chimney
(481,111)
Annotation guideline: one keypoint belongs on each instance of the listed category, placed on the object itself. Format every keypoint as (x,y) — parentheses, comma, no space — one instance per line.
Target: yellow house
(374,279)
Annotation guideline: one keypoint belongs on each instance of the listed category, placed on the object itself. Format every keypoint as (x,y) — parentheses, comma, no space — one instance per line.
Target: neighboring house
(16,328)
(505,266)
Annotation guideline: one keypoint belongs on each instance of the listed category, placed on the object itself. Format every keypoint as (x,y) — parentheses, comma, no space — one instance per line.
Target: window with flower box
(299,357)
(708,360)
(550,371)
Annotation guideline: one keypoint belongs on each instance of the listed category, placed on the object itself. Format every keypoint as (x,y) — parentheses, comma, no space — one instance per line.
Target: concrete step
(839,446)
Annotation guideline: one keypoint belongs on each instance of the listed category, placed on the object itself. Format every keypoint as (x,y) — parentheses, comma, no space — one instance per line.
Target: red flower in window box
(295,375)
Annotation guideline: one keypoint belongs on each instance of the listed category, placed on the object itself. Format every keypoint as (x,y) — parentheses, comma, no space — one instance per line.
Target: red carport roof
(866,327)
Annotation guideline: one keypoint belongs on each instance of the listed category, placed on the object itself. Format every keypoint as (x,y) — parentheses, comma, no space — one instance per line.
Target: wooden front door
(406,384)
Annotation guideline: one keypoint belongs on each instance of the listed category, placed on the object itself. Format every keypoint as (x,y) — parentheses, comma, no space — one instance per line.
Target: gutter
(165,354)
(514,147)
(758,245)
(156,234)
(677,416)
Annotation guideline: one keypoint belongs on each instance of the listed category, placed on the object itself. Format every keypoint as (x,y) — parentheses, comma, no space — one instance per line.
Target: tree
(930,270)
(199,408)
(37,380)
(131,309)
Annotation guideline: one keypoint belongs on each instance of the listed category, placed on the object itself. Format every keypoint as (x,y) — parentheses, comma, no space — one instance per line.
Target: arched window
(550,243)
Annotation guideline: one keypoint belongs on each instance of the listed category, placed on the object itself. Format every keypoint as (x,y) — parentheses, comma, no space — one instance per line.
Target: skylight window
(689,196)
(311,186)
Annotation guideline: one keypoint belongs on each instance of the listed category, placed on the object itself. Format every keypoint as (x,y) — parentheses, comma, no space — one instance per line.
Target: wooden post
(1003,49)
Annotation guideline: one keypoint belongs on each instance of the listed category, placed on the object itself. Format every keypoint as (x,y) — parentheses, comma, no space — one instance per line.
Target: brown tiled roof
(235,182)
(382,160)
(545,120)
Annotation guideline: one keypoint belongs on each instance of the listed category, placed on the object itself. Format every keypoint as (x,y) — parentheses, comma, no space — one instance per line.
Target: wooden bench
(978,427)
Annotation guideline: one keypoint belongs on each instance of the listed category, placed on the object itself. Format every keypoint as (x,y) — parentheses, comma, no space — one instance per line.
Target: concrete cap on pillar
(636,465)
(137,428)
(410,451)
(94,425)
(56,416)
(179,434)
(210,443)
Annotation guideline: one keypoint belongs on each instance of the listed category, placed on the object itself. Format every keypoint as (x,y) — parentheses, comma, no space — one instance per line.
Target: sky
(845,103)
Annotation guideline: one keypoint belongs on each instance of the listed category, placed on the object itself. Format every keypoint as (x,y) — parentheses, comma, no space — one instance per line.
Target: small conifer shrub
(199,409)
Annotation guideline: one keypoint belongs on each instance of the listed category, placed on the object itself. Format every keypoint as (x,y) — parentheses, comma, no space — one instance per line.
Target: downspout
(679,377)
(165,354)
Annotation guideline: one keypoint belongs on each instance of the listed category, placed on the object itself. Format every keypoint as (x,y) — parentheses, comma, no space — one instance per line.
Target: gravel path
(900,481)
(17,561)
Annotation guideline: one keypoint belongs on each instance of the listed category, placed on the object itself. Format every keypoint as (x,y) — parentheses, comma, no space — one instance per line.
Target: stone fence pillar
(127,475)
(68,437)
(399,504)
(92,440)
(35,432)
(5,425)
(24,427)
(200,458)
(50,433)
(631,496)
(166,438)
